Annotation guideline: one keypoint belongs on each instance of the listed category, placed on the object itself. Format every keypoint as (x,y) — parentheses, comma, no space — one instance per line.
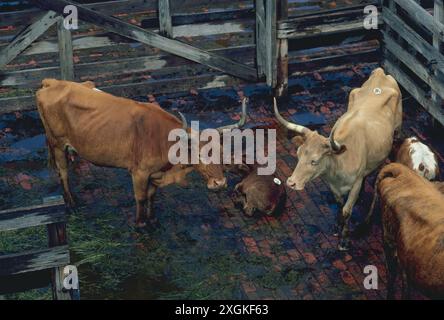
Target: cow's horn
(335,146)
(290,126)
(184,120)
(242,120)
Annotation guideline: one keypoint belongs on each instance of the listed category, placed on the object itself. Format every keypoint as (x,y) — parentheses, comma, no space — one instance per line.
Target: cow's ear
(298,140)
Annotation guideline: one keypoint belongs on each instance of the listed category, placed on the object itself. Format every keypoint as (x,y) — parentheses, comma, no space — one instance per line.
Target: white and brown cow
(359,143)
(418,157)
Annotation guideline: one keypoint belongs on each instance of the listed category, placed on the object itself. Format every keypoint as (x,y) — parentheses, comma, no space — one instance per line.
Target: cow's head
(314,153)
(214,173)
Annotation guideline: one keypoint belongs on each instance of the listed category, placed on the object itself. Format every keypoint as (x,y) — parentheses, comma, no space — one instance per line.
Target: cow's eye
(314,163)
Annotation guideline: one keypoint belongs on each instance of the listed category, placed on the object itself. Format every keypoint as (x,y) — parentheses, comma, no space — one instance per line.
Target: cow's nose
(220,183)
(291,183)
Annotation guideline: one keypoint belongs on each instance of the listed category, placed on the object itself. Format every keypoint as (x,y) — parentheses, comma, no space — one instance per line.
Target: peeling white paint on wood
(79,43)
(207,29)
(217,82)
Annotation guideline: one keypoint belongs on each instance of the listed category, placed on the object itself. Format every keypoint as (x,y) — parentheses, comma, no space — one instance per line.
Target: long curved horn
(335,146)
(242,120)
(290,126)
(184,120)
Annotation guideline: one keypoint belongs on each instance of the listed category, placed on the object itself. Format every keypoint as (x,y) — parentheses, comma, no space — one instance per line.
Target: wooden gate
(413,36)
(51,12)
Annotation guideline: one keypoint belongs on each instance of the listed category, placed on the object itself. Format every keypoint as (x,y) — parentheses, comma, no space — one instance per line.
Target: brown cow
(259,193)
(413,226)
(360,142)
(116,132)
(418,157)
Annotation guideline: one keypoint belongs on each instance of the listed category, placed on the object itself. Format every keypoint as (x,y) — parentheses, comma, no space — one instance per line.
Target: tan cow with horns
(359,143)
(117,132)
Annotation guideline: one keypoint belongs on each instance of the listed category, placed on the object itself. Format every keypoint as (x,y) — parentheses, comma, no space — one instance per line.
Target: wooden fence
(14,268)
(413,55)
(158,46)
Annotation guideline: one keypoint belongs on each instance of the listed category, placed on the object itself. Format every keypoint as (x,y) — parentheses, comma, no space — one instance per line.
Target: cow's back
(102,128)
(413,219)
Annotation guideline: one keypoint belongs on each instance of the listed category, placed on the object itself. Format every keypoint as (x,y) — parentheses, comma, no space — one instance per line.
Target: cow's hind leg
(62,168)
(140,185)
(150,206)
(346,214)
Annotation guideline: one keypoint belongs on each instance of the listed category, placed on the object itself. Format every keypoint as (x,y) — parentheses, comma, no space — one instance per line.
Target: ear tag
(277,181)
(377,91)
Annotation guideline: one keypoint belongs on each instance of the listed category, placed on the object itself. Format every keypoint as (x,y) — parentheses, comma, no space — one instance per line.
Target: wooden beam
(421,16)
(33,260)
(260,38)
(417,42)
(152,39)
(412,88)
(271,42)
(26,217)
(282,52)
(413,64)
(438,16)
(165,20)
(26,37)
(65,51)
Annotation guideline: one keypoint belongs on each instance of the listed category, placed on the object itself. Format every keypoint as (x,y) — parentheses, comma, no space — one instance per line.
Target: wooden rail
(55,257)
(404,45)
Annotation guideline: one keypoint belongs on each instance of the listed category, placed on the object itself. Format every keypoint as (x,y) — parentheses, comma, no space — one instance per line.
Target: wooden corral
(413,38)
(52,215)
(157,47)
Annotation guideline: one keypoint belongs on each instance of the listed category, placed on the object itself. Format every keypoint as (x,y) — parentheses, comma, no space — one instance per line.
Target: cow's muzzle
(295,185)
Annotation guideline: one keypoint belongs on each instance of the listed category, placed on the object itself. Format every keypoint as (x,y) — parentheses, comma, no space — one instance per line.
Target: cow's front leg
(62,168)
(140,185)
(347,212)
(150,206)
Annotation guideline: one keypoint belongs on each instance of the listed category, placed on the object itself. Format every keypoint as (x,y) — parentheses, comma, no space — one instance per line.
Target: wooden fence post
(165,22)
(438,15)
(65,51)
(271,40)
(260,38)
(282,54)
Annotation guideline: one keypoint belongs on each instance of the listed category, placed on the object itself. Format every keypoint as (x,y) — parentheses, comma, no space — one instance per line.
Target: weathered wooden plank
(260,38)
(153,39)
(414,90)
(26,37)
(300,32)
(207,81)
(271,42)
(438,16)
(34,260)
(19,218)
(65,52)
(411,62)
(421,16)
(408,34)
(165,21)
(282,53)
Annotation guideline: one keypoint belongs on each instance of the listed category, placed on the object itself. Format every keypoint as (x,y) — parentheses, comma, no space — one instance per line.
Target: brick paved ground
(209,245)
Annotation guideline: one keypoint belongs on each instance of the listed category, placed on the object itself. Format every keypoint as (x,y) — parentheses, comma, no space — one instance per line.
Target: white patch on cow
(421,154)
(277,181)
(206,29)
(95,89)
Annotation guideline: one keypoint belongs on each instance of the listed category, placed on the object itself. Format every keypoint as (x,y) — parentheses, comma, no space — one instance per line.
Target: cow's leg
(392,269)
(150,206)
(62,168)
(346,213)
(140,185)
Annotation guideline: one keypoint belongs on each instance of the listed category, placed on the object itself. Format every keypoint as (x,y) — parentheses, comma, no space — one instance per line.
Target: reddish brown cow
(115,132)
(418,157)
(413,223)
(260,193)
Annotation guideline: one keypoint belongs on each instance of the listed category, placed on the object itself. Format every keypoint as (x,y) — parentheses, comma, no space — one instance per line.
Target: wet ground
(204,246)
